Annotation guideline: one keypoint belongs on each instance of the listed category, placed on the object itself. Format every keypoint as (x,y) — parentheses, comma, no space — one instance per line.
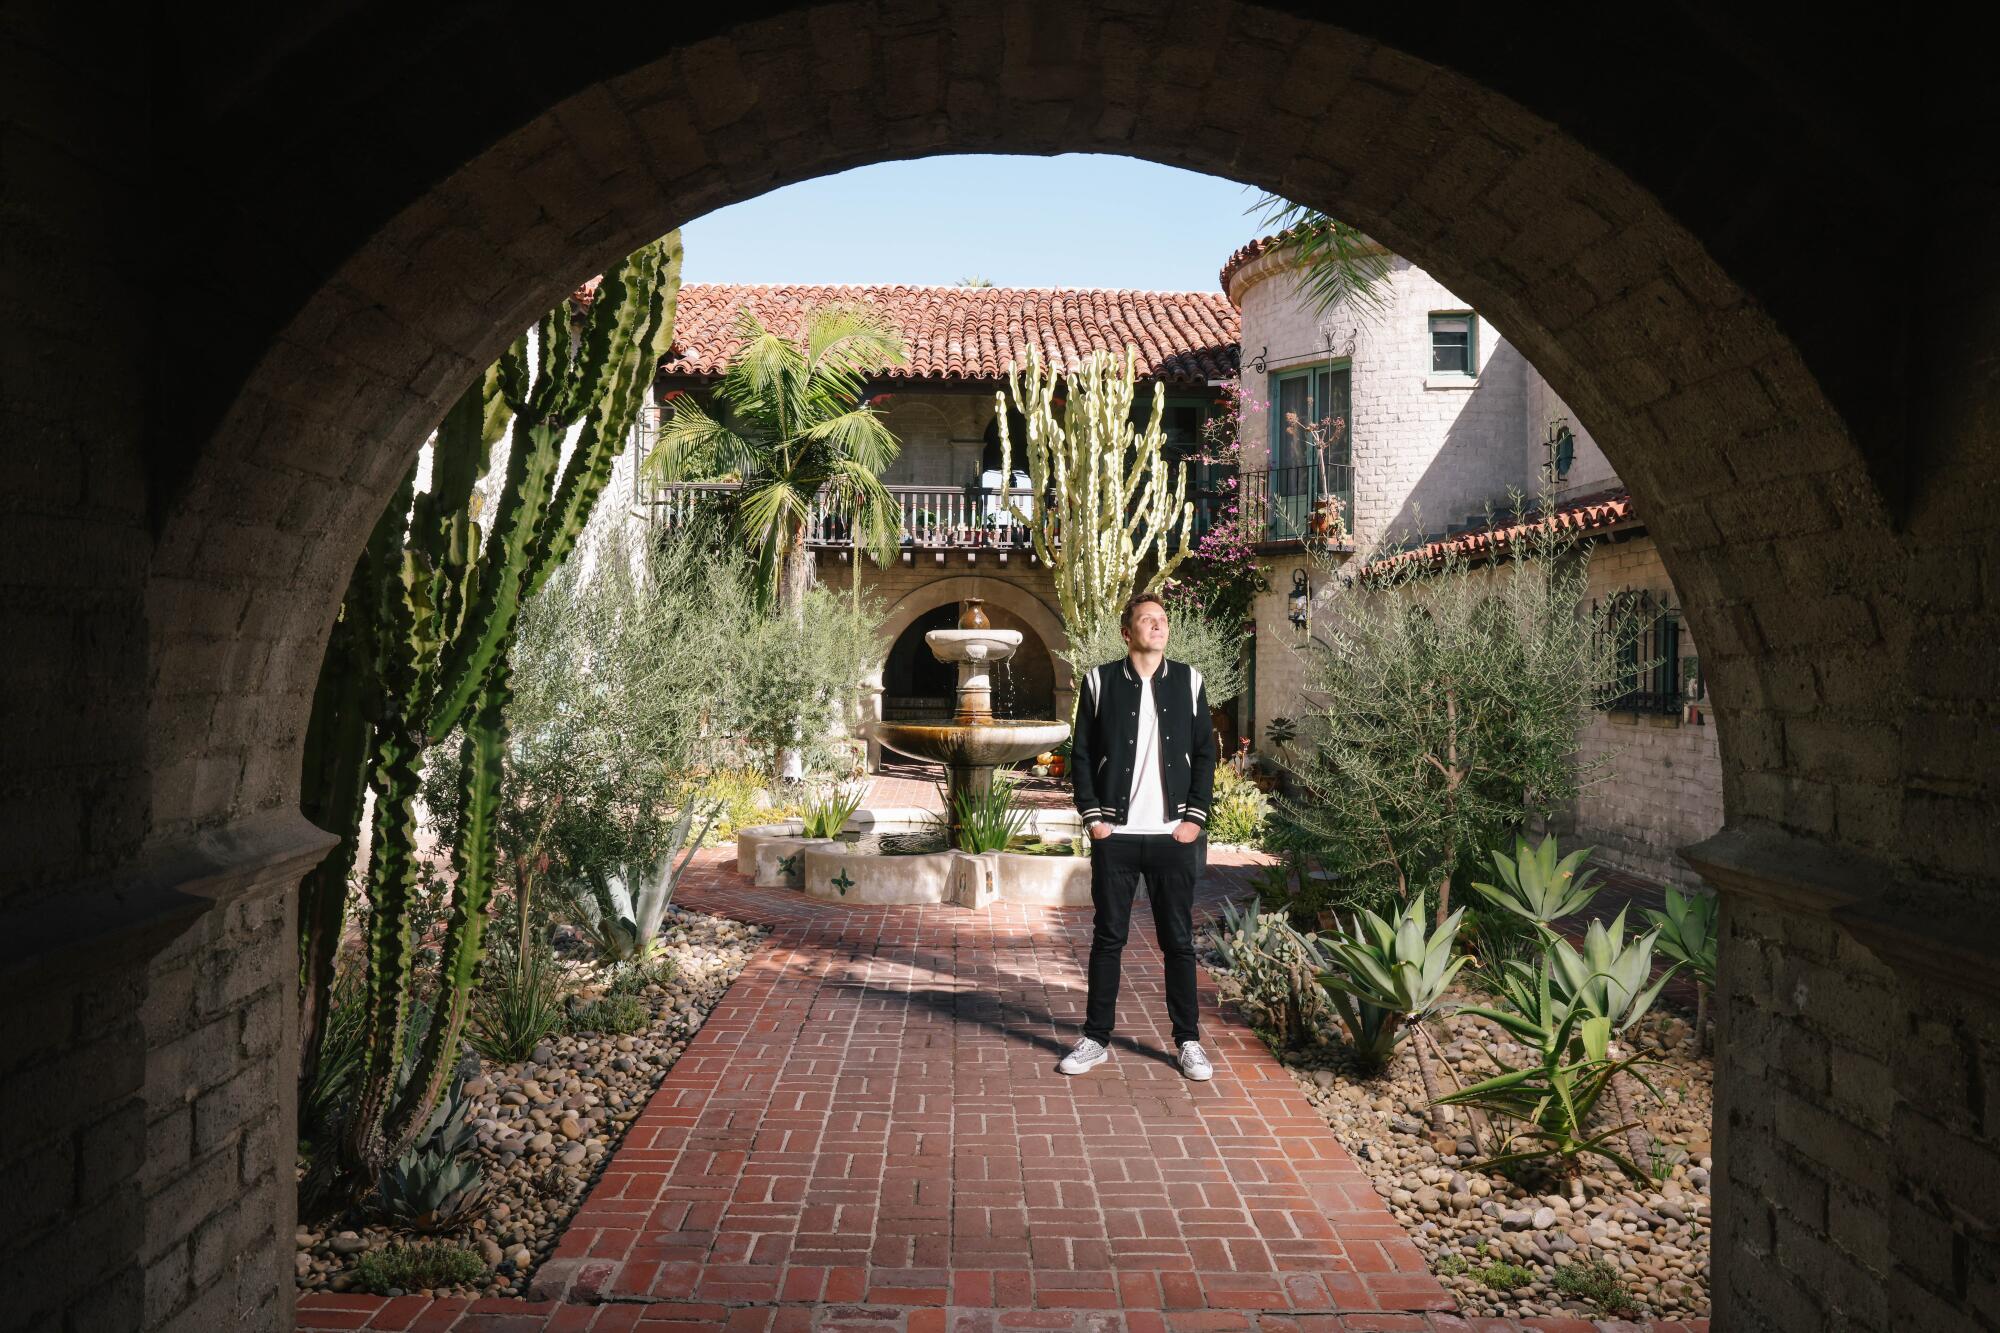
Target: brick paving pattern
(869,1134)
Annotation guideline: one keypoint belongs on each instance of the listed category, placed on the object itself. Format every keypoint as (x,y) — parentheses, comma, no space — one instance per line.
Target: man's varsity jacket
(1107,739)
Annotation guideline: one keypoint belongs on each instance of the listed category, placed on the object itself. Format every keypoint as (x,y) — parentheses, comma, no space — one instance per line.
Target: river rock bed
(1466,1220)
(548,1125)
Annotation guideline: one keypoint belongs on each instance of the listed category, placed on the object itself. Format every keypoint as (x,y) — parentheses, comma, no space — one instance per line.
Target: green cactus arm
(552,369)
(499,409)
(392,873)
(489,623)
(475,859)
(649,292)
(333,791)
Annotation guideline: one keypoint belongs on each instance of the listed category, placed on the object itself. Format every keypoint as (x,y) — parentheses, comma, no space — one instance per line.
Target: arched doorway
(1654,268)
(916,687)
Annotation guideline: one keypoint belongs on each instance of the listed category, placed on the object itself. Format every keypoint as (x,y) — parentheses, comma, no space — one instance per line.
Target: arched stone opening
(916,687)
(1044,680)
(1847,653)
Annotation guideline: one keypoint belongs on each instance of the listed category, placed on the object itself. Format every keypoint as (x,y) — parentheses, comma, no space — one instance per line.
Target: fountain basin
(781,856)
(838,873)
(970,745)
(973,645)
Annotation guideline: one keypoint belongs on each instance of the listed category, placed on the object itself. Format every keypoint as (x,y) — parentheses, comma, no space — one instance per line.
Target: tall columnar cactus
(1113,503)
(422,651)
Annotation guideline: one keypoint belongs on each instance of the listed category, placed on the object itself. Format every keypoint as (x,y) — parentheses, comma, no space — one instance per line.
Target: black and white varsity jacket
(1107,739)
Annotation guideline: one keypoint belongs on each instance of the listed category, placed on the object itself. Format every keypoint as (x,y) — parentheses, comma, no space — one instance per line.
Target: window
(1453,351)
(1312,445)
(1644,632)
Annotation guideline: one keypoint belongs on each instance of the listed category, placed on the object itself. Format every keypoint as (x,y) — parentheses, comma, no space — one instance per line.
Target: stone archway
(192,522)
(1039,618)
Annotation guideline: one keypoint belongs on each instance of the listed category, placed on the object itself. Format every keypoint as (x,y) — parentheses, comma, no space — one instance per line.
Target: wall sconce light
(1300,599)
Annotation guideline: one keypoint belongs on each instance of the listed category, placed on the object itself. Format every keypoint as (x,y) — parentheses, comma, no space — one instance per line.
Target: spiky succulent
(1534,884)
(438,1182)
(1389,974)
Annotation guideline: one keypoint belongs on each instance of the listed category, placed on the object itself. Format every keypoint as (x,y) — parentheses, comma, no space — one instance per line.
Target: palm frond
(857,434)
(694,446)
(1338,265)
(845,344)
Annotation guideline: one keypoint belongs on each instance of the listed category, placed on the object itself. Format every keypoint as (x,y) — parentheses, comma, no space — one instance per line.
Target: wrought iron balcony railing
(1310,504)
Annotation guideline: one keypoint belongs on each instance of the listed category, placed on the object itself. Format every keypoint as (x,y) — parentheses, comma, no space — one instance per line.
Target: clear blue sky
(1079,220)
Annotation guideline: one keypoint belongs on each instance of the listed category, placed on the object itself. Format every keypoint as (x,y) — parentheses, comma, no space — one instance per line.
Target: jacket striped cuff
(1095,812)
(1194,813)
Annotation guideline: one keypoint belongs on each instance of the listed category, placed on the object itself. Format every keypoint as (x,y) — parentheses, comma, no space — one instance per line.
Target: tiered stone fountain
(974,743)
(970,746)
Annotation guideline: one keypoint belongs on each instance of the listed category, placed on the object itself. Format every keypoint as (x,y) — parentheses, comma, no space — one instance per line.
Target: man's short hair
(1132,608)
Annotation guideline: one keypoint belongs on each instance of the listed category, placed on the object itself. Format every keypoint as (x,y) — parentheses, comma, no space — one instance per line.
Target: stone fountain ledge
(781,856)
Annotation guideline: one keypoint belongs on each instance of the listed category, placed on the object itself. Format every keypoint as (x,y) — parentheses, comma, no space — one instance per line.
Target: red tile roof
(1245,253)
(1596,512)
(970,334)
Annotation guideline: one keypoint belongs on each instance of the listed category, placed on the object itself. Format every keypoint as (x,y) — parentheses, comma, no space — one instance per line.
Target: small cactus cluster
(421,652)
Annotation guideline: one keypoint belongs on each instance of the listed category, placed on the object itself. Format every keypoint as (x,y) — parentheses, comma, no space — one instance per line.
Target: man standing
(1142,765)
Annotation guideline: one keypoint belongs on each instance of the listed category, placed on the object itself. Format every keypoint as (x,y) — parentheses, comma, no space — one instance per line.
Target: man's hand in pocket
(1187,831)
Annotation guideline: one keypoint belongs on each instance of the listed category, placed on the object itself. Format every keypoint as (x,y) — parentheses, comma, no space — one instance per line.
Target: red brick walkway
(869,1134)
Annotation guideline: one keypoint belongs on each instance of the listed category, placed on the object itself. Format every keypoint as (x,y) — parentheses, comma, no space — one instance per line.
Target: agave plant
(1391,976)
(1535,885)
(1611,978)
(434,1185)
(1278,968)
(1687,934)
(619,910)
(1554,1098)
(827,809)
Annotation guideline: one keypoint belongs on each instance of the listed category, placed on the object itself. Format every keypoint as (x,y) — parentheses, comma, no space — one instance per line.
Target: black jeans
(1170,869)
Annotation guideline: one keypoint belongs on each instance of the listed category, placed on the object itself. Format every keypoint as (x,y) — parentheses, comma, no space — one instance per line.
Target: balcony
(933,518)
(1284,509)
(1289,508)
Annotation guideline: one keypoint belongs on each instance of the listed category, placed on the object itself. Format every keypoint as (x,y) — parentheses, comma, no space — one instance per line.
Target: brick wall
(221,1022)
(1662,789)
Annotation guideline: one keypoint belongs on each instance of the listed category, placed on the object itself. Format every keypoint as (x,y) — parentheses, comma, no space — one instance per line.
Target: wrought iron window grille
(1643,630)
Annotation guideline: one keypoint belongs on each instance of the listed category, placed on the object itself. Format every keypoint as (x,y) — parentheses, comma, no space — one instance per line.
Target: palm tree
(792,425)
(1337,264)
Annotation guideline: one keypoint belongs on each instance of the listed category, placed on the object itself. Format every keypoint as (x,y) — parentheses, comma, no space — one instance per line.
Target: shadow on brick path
(869,1133)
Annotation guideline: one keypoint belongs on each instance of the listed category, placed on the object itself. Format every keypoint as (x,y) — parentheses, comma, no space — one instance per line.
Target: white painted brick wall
(1428,451)
(1590,470)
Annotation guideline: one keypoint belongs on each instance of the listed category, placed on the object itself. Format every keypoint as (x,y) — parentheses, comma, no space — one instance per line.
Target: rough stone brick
(228,1107)
(111,1152)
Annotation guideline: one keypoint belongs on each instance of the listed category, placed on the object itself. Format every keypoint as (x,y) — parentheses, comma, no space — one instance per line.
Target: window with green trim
(1312,445)
(1454,344)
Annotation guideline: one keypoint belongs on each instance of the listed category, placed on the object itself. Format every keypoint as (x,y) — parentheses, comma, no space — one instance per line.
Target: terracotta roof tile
(970,334)
(1585,514)
(1247,252)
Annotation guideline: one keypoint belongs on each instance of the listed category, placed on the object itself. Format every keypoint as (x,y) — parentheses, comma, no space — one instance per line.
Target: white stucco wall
(1590,470)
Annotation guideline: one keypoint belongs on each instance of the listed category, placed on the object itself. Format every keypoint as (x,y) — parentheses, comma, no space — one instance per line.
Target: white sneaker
(1194,1062)
(1089,1054)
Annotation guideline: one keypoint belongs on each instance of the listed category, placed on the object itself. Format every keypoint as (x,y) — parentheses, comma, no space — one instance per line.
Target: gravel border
(547,1126)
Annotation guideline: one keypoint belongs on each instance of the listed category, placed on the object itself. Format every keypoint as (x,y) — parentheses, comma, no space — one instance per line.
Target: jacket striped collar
(1133,676)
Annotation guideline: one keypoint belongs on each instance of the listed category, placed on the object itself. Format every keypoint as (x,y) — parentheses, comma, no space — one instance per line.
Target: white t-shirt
(1146,811)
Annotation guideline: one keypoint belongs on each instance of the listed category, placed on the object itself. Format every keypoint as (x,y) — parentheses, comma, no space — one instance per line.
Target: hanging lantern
(1300,599)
